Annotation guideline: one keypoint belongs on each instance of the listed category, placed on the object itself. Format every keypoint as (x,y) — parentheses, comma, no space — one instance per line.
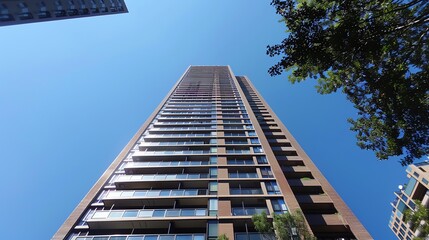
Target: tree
(377,53)
(291,226)
(286,226)
(419,219)
(222,237)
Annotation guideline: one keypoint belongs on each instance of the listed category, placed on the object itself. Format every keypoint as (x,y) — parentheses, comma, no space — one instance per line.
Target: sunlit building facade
(30,11)
(417,188)
(211,155)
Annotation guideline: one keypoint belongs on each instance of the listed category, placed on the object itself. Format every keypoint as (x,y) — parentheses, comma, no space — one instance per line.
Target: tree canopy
(376,52)
(419,219)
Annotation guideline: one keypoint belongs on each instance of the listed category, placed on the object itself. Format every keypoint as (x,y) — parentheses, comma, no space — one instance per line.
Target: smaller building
(29,11)
(416,189)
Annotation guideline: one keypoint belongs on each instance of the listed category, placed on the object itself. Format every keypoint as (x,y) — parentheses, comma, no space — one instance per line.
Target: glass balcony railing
(157,177)
(243,175)
(240,162)
(148,213)
(155,193)
(184,123)
(180,135)
(199,236)
(248,211)
(236,142)
(245,191)
(164,164)
(182,128)
(171,143)
(187,152)
(238,151)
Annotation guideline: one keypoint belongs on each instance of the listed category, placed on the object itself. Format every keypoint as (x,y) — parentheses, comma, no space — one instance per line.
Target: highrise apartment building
(30,11)
(417,188)
(210,156)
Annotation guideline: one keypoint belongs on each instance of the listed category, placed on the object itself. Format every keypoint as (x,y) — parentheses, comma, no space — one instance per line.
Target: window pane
(130,213)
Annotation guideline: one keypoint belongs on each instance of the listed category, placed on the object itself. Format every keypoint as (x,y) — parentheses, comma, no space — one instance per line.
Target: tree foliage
(223,237)
(377,53)
(286,226)
(419,219)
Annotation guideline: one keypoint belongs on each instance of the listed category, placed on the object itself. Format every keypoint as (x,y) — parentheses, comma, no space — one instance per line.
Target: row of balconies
(144,237)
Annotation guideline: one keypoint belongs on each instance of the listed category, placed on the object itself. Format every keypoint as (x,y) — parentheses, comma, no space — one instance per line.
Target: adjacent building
(211,155)
(30,11)
(416,189)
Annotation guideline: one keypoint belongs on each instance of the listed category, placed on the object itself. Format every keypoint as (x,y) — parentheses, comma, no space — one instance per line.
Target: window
(213,207)
(279,206)
(272,188)
(213,160)
(266,172)
(213,150)
(213,141)
(410,186)
(261,159)
(254,141)
(213,172)
(258,150)
(251,133)
(213,188)
(212,230)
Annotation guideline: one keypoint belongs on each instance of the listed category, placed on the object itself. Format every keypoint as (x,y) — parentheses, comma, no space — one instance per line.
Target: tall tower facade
(211,155)
(416,189)
(30,11)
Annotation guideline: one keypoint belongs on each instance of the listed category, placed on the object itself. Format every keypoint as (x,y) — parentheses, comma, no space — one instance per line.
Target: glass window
(213,172)
(213,187)
(213,207)
(213,160)
(272,188)
(212,230)
(251,133)
(410,186)
(261,159)
(213,141)
(266,172)
(213,150)
(257,150)
(254,141)
(279,205)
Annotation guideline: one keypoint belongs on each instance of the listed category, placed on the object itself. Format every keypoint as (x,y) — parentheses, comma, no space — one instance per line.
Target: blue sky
(72,93)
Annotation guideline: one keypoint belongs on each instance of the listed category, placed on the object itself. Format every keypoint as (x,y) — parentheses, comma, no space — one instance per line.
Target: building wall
(210,156)
(417,188)
(30,11)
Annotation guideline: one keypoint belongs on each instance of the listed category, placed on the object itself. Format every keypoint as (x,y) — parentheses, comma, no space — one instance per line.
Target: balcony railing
(240,162)
(182,128)
(187,152)
(157,177)
(248,211)
(245,191)
(180,135)
(164,164)
(148,213)
(238,151)
(243,175)
(199,236)
(155,193)
(171,143)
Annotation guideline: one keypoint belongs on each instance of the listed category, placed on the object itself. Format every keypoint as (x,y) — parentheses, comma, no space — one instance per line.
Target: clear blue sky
(72,93)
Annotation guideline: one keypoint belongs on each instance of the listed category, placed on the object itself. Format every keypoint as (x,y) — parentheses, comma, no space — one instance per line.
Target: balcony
(155,193)
(148,213)
(248,211)
(179,135)
(245,191)
(183,152)
(161,177)
(199,236)
(154,144)
(165,164)
(243,175)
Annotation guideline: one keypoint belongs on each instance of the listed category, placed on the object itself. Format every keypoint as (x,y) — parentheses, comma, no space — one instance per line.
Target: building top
(29,11)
